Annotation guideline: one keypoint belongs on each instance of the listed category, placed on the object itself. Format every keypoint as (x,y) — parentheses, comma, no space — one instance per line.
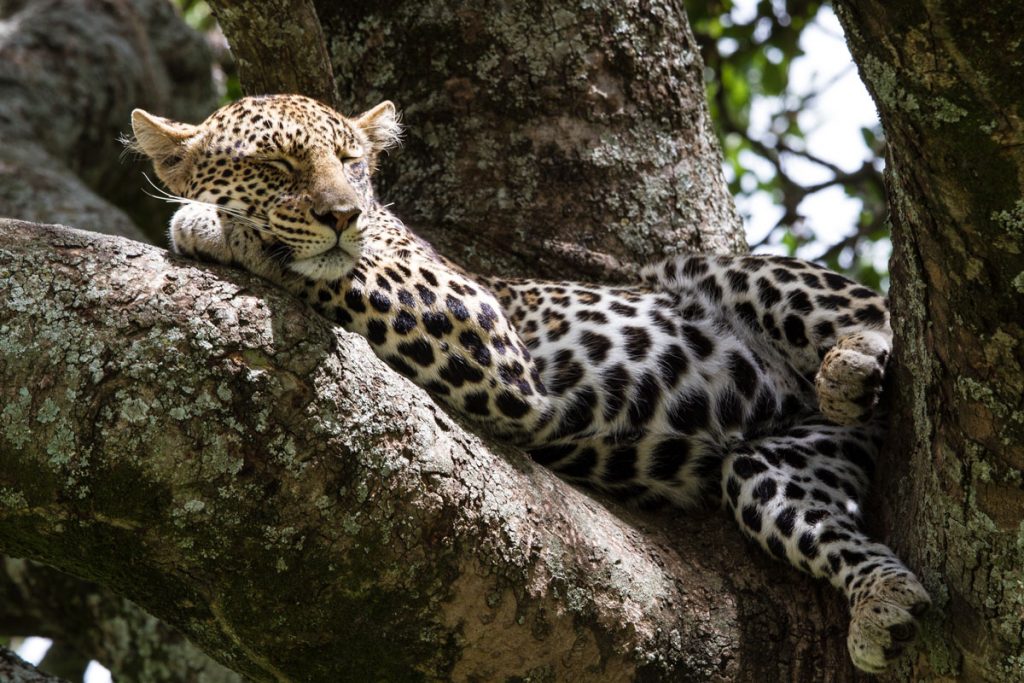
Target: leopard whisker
(237,214)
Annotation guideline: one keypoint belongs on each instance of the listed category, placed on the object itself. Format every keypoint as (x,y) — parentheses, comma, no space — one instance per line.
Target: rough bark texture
(279,47)
(209,448)
(87,621)
(946,76)
(70,73)
(545,138)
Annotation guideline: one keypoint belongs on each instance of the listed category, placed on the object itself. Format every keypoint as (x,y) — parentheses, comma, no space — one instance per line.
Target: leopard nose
(338,219)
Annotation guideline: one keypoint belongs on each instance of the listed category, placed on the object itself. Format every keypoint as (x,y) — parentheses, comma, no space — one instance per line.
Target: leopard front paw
(883,621)
(197,231)
(849,381)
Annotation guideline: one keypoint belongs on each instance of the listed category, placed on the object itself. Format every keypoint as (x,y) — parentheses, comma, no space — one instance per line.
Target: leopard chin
(333,264)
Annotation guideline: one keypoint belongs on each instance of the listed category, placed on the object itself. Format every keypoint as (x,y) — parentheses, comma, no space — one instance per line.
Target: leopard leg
(825,326)
(199,231)
(799,495)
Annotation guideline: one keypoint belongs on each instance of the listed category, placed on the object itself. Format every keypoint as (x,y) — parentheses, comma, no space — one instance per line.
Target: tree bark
(947,81)
(70,73)
(279,47)
(209,448)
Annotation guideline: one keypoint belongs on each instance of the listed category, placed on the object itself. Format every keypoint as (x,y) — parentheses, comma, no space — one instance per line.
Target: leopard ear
(381,127)
(165,142)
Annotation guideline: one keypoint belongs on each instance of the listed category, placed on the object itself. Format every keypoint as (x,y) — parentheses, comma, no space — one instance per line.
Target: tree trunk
(279,47)
(580,150)
(947,81)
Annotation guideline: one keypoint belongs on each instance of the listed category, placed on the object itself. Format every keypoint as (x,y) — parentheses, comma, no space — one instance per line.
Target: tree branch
(65,97)
(209,448)
(951,111)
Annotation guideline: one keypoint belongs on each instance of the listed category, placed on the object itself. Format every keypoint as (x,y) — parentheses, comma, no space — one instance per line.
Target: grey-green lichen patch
(981,392)
(15,417)
(12,499)
(134,410)
(888,86)
(945,111)
(892,91)
(1018,282)
(48,412)
(1011,220)
(62,445)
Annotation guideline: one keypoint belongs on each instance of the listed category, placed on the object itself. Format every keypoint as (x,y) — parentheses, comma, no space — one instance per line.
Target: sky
(833,126)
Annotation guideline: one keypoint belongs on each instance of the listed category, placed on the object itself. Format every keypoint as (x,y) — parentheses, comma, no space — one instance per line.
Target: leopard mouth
(332,264)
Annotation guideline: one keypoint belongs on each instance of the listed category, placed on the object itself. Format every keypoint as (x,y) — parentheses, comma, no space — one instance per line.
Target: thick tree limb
(207,447)
(279,47)
(70,73)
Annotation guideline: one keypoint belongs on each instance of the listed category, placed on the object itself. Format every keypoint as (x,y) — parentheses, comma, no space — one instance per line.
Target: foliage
(748,52)
(199,15)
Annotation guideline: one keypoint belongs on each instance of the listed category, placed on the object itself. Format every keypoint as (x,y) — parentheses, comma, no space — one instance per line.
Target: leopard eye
(281,165)
(351,157)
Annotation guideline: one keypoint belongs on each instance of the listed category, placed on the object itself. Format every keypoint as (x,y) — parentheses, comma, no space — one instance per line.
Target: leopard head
(287,167)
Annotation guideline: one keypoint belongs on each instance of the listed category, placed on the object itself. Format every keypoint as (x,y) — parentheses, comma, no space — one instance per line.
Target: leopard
(751,383)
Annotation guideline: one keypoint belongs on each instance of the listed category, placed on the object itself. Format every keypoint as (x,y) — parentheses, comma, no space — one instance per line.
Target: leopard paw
(197,231)
(849,381)
(883,621)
